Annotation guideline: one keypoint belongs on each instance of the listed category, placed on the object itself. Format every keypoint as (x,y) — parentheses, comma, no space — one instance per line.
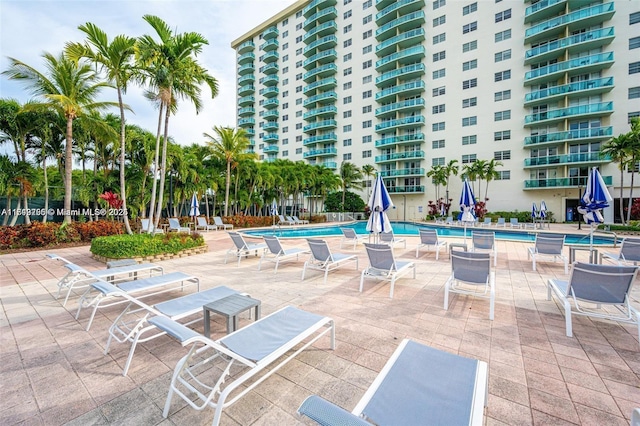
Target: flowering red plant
(112,199)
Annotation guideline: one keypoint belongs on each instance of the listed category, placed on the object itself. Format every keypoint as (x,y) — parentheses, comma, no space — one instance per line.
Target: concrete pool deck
(54,372)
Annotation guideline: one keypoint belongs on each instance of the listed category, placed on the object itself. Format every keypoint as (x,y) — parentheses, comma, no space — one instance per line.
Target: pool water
(407,228)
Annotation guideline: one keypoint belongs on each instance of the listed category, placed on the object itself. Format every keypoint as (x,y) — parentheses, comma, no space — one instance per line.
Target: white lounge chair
(276,253)
(501,223)
(390,239)
(449,221)
(484,241)
(383,266)
(174,225)
(548,245)
(283,221)
(349,236)
(218,373)
(418,385)
(514,223)
(322,259)
(217,221)
(429,238)
(204,225)
(300,221)
(243,248)
(145,225)
(470,271)
(590,287)
(486,222)
(629,253)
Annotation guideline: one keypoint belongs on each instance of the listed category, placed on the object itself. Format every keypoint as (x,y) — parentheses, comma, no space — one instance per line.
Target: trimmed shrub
(141,245)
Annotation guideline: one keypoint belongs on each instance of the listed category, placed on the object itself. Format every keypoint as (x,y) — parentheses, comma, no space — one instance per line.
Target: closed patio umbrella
(467,206)
(194,211)
(595,198)
(274,210)
(543,210)
(534,213)
(379,203)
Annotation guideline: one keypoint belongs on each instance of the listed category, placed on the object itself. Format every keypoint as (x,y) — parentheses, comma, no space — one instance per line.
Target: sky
(28,28)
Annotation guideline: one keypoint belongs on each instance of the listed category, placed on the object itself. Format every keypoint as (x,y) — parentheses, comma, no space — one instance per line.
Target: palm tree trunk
(621,201)
(14,219)
(68,167)
(165,142)
(46,187)
(5,218)
(633,173)
(152,202)
(123,193)
(226,191)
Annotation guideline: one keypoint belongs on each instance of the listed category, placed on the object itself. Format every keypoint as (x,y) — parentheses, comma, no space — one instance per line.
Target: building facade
(405,85)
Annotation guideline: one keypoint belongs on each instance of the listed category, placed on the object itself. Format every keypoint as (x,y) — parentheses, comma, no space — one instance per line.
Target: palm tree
(68,88)
(451,168)
(229,145)
(490,173)
(617,150)
(634,157)
(370,172)
(437,173)
(351,177)
(115,58)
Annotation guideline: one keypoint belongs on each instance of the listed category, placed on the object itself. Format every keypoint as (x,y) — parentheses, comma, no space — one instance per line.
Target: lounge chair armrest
(173,328)
(325,413)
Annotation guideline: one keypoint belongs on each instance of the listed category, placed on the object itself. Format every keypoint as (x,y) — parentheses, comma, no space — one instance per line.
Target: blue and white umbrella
(379,203)
(194,211)
(467,206)
(534,213)
(273,210)
(595,198)
(543,210)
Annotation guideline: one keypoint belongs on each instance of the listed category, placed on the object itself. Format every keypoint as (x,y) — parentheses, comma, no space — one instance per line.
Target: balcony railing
(415,171)
(271,114)
(405,71)
(308,10)
(332,40)
(389,12)
(324,56)
(328,137)
(415,16)
(571,135)
(389,59)
(418,33)
(331,81)
(246,46)
(247,57)
(326,28)
(269,80)
(246,111)
(393,140)
(563,43)
(326,110)
(589,157)
(418,120)
(605,8)
(414,85)
(569,88)
(270,33)
(325,96)
(408,155)
(405,189)
(270,125)
(270,149)
(403,105)
(246,68)
(246,100)
(269,45)
(320,152)
(323,69)
(320,125)
(246,121)
(562,182)
(562,113)
(549,70)
(319,17)
(270,137)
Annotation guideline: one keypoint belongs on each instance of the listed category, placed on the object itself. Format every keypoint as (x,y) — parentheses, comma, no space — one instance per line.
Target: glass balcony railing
(246,69)
(577,65)
(270,80)
(274,113)
(245,90)
(320,152)
(310,8)
(269,69)
(324,124)
(319,112)
(270,32)
(404,72)
(246,111)
(408,155)
(563,113)
(405,189)
(319,17)
(390,44)
(245,100)
(326,138)
(594,133)
(325,97)
(401,6)
(322,57)
(270,57)
(411,53)
(270,149)
(270,137)
(324,42)
(563,182)
(403,172)
(411,19)
(401,122)
(400,106)
(321,71)
(600,84)
(332,165)
(248,78)
(542,9)
(588,39)
(246,121)
(325,83)
(269,92)
(587,157)
(271,103)
(246,46)
(552,24)
(250,131)
(270,125)
(393,140)
(247,57)
(320,31)
(269,45)
(414,86)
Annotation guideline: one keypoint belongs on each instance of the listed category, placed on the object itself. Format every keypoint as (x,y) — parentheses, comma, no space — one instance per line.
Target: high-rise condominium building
(537,86)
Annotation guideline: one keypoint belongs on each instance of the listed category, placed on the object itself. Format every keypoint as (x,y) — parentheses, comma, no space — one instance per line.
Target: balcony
(400,123)
(269,92)
(247,46)
(326,152)
(320,125)
(581,135)
(248,78)
(559,160)
(320,31)
(403,106)
(569,182)
(271,103)
(544,9)
(270,126)
(583,18)
(320,44)
(246,100)
(576,43)
(270,33)
(269,69)
(247,89)
(247,57)
(403,172)
(407,89)
(406,56)
(401,7)
(381,4)
(321,58)
(406,189)
(270,80)
(331,165)
(247,121)
(406,73)
(326,138)
(322,98)
(579,89)
(322,71)
(323,15)
(270,45)
(404,23)
(274,113)
(403,40)
(326,111)
(584,65)
(243,112)
(408,155)
(270,137)
(311,7)
(401,140)
(250,131)
(270,57)
(580,111)
(324,84)
(246,69)
(270,149)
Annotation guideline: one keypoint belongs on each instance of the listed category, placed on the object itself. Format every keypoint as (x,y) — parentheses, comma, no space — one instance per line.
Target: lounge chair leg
(567,314)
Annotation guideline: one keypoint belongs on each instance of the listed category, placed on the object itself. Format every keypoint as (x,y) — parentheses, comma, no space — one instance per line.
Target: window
(469,121)
(502,35)
(285,70)
(367,79)
(298,76)
(298,64)
(634,114)
(437,144)
(437,109)
(439,73)
(366,64)
(470,27)
(436,127)
(298,14)
(502,136)
(346,142)
(298,139)
(299,26)
(473,7)
(299,51)
(634,92)
(439,20)
(347,29)
(298,39)
(467,84)
(298,150)
(470,140)
(347,71)
(346,128)
(470,102)
(366,124)
(367,4)
(472,45)
(502,155)
(346,100)
(367,34)
(285,93)
(439,56)
(346,114)
(346,86)
(298,89)
(439,91)
(285,22)
(469,158)
(298,101)
(634,43)
(347,14)
(285,34)
(502,96)
(502,115)
(504,175)
(346,43)
(285,105)
(285,46)
(502,56)
(366,139)
(346,156)
(502,75)
(285,81)
(469,65)
(285,117)
(285,153)
(346,2)
(298,113)
(367,49)
(366,109)
(634,67)
(503,16)
(634,18)
(439,3)
(367,19)
(366,94)
(439,38)
(438,161)
(366,154)
(347,57)
(285,129)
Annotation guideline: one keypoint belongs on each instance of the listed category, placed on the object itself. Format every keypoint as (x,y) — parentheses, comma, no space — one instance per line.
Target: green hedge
(141,245)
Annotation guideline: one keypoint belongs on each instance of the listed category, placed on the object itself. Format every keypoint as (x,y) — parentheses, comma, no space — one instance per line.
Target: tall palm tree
(451,168)
(115,58)
(369,171)
(438,175)
(490,173)
(617,150)
(228,145)
(71,90)
(634,157)
(351,177)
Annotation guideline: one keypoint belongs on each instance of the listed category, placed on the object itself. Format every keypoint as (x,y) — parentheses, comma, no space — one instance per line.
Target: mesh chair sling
(429,238)
(485,242)
(390,239)
(470,271)
(629,253)
(548,245)
(323,260)
(349,235)
(383,266)
(276,253)
(217,221)
(242,248)
(204,225)
(174,225)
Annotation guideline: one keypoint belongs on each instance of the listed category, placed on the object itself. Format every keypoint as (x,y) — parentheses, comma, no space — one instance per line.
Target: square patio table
(230,307)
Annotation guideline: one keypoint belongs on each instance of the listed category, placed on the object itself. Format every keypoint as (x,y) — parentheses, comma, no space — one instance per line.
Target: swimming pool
(408,228)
